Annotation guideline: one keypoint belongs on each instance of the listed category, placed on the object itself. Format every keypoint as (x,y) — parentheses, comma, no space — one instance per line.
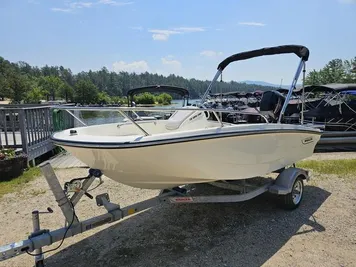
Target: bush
(145,98)
(164,99)
(12,164)
(118,100)
(103,98)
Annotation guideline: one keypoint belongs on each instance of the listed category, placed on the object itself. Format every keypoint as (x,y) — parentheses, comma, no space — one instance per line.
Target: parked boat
(190,147)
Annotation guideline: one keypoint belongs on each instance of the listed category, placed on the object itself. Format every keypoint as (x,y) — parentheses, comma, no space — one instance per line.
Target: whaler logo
(307,140)
(195,116)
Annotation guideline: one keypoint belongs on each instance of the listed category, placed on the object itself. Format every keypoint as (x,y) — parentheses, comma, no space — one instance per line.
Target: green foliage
(335,71)
(85,92)
(34,96)
(145,98)
(66,91)
(103,98)
(119,100)
(51,86)
(164,99)
(7,153)
(6,74)
(21,82)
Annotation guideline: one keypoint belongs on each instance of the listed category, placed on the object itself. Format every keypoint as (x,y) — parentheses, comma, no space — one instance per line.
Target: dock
(28,128)
(66,160)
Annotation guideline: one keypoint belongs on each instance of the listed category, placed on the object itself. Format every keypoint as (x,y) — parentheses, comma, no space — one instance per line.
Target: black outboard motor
(271,105)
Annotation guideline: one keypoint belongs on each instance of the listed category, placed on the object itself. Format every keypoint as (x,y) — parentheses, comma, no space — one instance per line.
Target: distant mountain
(265,84)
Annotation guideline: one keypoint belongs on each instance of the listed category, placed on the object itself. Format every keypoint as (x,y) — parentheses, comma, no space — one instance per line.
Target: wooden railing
(28,127)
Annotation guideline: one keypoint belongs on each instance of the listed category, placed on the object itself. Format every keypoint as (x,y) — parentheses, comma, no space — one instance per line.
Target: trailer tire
(293,199)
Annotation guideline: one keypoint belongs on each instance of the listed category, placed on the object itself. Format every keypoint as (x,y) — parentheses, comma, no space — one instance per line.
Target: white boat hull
(200,161)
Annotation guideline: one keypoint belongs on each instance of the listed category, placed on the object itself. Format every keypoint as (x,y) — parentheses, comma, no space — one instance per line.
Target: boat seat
(271,104)
(176,120)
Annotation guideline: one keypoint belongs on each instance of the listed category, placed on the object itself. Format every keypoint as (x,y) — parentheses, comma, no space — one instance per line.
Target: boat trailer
(288,184)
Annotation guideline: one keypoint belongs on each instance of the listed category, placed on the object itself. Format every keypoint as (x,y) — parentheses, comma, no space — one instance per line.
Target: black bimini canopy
(340,87)
(159,88)
(299,50)
(333,87)
(234,93)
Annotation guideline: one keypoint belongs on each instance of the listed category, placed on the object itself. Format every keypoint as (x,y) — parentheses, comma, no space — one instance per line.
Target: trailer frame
(284,185)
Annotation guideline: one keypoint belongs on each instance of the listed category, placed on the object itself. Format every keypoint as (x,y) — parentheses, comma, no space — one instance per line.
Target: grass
(17,183)
(342,167)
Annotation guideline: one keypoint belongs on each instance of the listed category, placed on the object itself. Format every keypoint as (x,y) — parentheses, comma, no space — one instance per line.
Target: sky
(183,37)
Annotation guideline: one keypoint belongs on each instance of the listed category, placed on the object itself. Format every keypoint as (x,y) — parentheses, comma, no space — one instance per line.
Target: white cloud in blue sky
(135,66)
(252,23)
(163,35)
(72,6)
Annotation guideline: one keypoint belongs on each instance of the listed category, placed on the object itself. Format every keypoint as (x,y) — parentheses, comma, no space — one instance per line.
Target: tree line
(335,71)
(21,82)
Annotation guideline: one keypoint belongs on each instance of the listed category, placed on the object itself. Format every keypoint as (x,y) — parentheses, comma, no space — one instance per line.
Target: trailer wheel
(292,200)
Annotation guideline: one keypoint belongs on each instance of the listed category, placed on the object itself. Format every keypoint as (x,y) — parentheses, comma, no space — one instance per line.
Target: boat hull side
(227,158)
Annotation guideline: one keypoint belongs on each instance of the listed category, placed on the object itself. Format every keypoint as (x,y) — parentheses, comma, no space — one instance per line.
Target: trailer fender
(284,182)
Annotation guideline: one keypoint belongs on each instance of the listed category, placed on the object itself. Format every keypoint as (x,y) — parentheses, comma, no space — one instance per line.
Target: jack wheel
(95,172)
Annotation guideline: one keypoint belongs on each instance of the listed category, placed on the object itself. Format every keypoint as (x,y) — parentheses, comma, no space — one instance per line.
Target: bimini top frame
(157,88)
(301,51)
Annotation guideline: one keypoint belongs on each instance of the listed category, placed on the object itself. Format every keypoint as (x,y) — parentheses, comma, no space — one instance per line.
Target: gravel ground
(321,232)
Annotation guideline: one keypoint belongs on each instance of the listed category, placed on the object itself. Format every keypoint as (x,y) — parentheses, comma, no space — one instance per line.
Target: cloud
(162,35)
(135,66)
(75,5)
(210,53)
(114,3)
(189,29)
(257,24)
(169,65)
(71,6)
(65,10)
(171,62)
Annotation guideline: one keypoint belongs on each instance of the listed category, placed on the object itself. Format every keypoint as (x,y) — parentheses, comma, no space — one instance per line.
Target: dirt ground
(321,232)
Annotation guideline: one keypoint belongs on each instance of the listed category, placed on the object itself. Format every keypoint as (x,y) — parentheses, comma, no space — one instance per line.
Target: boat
(191,147)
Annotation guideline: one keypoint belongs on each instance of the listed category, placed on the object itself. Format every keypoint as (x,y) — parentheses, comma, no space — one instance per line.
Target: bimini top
(325,88)
(299,50)
(234,93)
(340,87)
(159,88)
(332,87)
